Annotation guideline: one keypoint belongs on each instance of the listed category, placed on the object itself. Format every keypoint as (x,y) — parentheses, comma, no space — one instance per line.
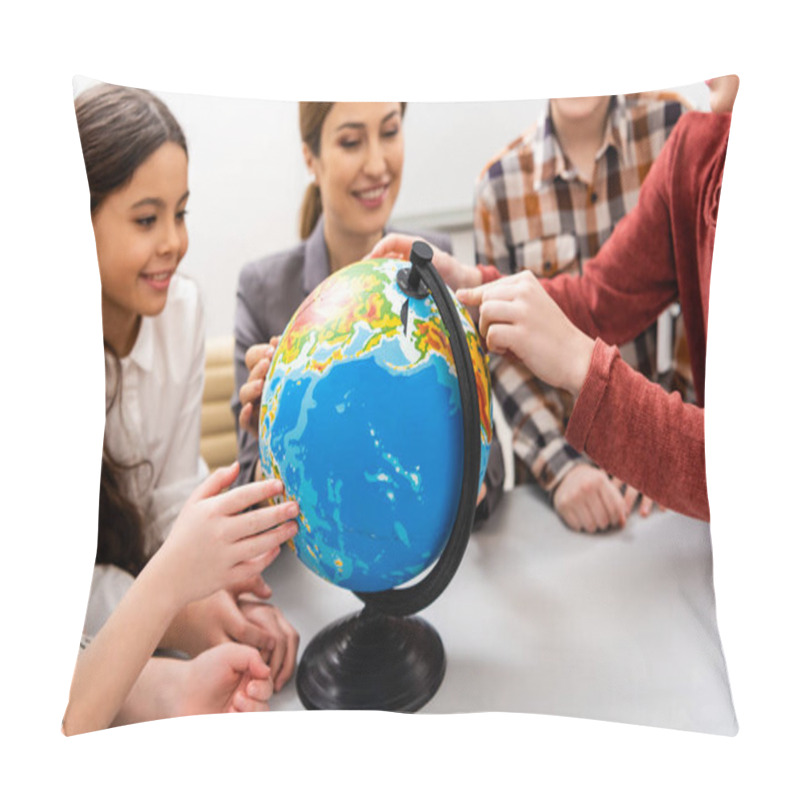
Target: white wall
(247,177)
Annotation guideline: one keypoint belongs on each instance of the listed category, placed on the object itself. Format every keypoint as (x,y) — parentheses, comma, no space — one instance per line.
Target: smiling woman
(354,154)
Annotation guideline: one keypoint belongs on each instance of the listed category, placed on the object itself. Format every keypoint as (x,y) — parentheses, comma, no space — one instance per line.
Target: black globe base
(371,661)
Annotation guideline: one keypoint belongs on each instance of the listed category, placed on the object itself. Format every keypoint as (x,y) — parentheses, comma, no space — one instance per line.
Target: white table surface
(618,626)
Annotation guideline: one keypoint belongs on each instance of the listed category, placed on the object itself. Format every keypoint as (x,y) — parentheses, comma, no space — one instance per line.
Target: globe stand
(383,658)
(370,660)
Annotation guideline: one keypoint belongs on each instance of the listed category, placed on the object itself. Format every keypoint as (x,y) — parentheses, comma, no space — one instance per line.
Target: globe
(361,420)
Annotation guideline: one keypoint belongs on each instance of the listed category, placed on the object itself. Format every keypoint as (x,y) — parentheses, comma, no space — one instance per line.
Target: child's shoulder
(703,131)
(642,102)
(516,156)
(519,154)
(651,116)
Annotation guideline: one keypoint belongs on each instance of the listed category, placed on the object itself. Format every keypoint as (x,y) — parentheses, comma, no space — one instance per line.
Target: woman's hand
(257,359)
(517,317)
(215,543)
(455,274)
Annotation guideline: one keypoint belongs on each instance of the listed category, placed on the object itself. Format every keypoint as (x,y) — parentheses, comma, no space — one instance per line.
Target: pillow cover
(539,618)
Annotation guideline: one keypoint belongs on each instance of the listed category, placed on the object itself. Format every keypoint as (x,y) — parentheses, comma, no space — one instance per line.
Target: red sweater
(660,252)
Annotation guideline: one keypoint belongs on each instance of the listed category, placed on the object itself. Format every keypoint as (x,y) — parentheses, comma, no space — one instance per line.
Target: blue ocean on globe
(361,420)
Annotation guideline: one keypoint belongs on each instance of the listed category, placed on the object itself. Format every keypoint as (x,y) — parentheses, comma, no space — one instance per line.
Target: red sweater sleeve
(640,434)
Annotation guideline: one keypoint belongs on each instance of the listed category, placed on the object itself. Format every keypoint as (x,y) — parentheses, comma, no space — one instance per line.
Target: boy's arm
(655,434)
(585,498)
(537,433)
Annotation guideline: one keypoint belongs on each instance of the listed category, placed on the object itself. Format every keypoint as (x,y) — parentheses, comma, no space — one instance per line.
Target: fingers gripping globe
(361,420)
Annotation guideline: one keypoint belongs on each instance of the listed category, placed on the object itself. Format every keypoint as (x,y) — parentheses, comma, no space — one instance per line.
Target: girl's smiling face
(140,233)
(359,166)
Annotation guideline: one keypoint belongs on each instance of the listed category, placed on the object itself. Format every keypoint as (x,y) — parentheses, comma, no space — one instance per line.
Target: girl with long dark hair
(153,330)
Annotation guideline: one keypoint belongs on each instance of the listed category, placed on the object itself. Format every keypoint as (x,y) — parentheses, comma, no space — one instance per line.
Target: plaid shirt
(534,212)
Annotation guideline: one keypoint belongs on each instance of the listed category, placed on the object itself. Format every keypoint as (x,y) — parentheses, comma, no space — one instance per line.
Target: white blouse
(156,416)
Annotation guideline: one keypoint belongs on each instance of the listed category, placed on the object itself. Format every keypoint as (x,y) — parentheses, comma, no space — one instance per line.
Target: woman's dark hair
(119,129)
(312,116)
